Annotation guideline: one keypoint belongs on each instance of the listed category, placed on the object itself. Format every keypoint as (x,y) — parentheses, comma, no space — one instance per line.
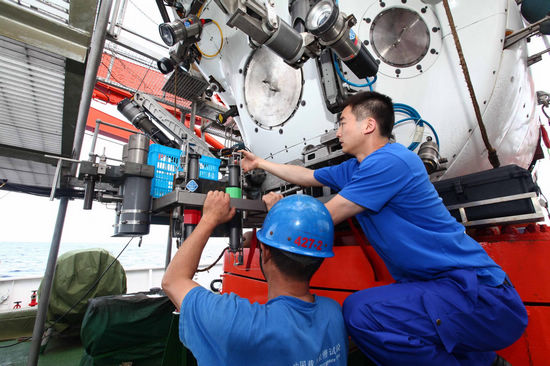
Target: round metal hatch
(400,37)
(272,89)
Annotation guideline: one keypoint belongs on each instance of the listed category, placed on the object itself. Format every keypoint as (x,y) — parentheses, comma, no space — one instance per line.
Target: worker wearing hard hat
(452,304)
(294,327)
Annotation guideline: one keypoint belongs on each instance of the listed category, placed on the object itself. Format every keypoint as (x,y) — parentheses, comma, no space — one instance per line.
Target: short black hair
(296,266)
(375,105)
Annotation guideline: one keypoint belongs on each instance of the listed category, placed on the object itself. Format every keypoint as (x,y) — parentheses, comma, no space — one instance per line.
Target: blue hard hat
(299,224)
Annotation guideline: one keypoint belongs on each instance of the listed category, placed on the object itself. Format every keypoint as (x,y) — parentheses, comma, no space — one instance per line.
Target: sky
(25,218)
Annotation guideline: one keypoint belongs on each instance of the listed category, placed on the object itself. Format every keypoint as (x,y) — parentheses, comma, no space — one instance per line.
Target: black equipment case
(490,184)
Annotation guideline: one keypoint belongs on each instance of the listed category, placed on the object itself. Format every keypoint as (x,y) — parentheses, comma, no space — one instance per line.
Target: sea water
(27,259)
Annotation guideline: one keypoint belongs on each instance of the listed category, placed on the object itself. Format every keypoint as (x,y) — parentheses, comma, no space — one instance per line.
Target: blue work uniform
(452,304)
(229,330)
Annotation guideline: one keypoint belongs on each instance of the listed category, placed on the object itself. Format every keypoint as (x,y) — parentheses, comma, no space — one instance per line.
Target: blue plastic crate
(209,168)
(166,161)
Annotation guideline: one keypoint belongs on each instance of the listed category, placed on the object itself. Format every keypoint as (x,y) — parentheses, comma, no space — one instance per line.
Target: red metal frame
(523,252)
(109,131)
(124,72)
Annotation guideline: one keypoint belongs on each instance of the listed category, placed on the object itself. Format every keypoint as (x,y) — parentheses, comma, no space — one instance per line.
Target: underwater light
(325,21)
(187,30)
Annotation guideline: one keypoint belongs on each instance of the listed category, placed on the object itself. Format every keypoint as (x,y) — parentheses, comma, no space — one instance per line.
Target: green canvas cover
(75,274)
(128,328)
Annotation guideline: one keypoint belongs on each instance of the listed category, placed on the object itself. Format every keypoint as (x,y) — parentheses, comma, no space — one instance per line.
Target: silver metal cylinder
(185,29)
(429,153)
(119,204)
(286,42)
(125,152)
(334,33)
(337,38)
(138,148)
(135,213)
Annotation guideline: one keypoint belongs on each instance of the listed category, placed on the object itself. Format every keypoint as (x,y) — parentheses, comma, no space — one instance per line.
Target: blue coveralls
(451,303)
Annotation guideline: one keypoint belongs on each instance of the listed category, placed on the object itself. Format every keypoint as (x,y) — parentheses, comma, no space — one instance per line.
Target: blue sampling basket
(209,168)
(167,161)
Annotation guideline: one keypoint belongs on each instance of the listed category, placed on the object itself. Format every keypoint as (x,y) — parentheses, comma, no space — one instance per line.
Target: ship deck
(58,352)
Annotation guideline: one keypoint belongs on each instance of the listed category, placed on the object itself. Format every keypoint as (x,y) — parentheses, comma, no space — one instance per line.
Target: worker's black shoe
(499,361)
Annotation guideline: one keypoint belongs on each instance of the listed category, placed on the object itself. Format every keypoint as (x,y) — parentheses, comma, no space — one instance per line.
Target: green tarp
(128,328)
(76,274)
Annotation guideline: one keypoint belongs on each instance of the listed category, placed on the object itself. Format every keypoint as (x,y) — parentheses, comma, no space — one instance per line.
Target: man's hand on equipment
(249,161)
(217,208)
(295,174)
(271,198)
(178,278)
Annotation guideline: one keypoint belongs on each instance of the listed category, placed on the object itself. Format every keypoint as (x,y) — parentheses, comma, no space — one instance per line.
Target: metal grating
(132,71)
(185,86)
(32,84)
(26,172)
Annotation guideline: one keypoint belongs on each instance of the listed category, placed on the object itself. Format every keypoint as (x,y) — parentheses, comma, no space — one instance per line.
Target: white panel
(32,84)
(35,140)
(435,86)
(26,172)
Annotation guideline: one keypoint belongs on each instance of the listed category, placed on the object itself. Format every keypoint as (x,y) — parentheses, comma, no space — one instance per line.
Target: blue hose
(339,72)
(413,116)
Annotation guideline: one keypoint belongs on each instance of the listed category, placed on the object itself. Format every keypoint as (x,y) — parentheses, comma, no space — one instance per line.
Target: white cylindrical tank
(282,109)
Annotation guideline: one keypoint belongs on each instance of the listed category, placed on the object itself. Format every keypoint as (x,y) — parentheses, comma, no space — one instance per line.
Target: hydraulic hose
(343,78)
(413,115)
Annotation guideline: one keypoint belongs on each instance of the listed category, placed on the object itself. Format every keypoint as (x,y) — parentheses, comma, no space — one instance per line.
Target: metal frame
(525,32)
(57,175)
(180,197)
(93,61)
(176,128)
(25,26)
(536,216)
(68,38)
(98,124)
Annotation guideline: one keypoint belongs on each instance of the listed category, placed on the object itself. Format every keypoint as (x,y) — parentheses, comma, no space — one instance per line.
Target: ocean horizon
(29,259)
(25,259)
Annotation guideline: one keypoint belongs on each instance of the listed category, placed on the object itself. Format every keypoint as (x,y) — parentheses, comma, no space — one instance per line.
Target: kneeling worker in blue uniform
(451,303)
(295,327)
